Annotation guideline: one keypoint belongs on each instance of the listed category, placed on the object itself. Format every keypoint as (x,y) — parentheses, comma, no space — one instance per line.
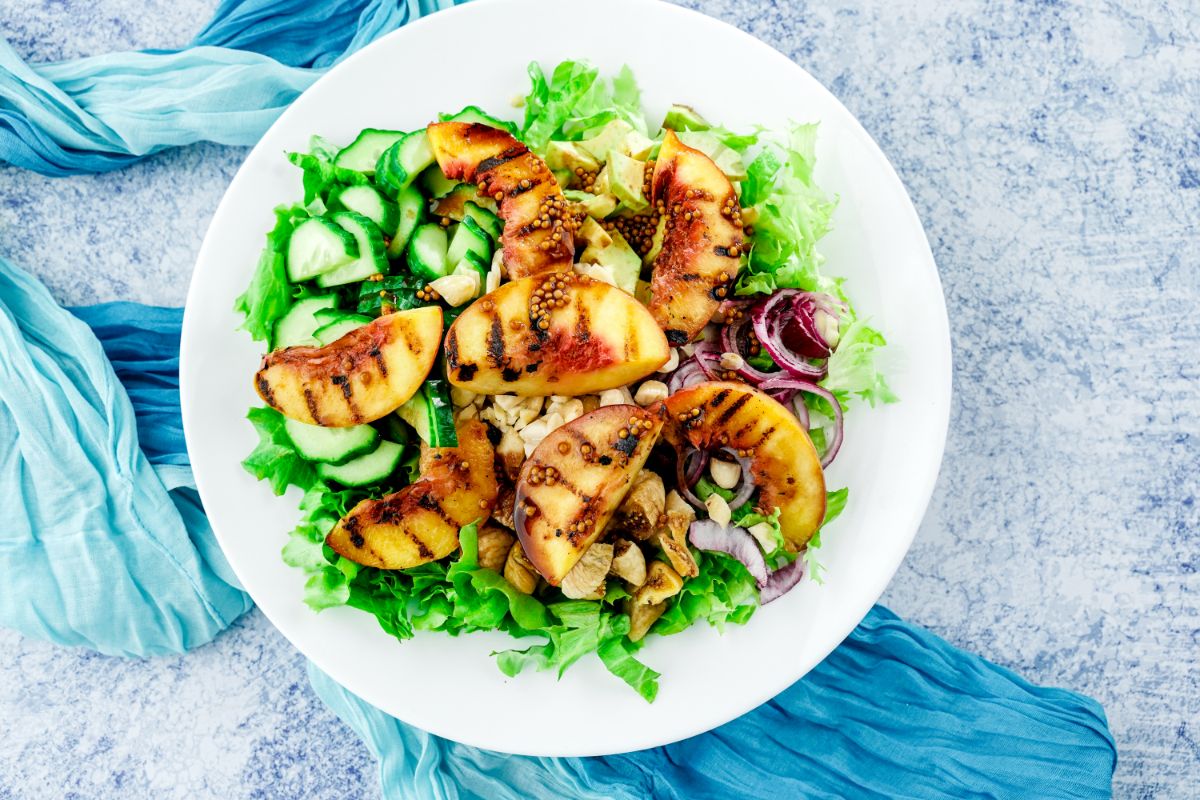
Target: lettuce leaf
(269,295)
(577,100)
(724,591)
(853,368)
(275,459)
(320,176)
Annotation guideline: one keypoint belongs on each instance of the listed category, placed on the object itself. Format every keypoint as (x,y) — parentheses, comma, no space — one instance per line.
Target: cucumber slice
(453,205)
(331,445)
(370,203)
(477,114)
(489,222)
(469,238)
(375,466)
(427,252)
(403,161)
(411,208)
(363,153)
(318,245)
(435,183)
(296,327)
(324,316)
(473,262)
(372,256)
(335,330)
(430,413)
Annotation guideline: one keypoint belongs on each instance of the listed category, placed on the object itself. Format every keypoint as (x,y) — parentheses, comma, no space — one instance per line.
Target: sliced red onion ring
(732,541)
(786,326)
(686,374)
(686,476)
(781,581)
(781,384)
(746,486)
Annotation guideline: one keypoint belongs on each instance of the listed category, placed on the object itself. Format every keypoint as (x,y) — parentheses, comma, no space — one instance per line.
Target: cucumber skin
(416,262)
(283,325)
(330,228)
(344,473)
(412,214)
(375,248)
(367,446)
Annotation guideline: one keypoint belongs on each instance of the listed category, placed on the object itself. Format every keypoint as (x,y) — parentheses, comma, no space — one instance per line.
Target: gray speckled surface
(1053,153)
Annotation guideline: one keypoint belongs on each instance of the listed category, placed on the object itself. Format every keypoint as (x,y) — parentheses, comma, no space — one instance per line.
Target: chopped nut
(650,392)
(502,512)
(764,534)
(528,411)
(495,273)
(597,272)
(494,544)
(643,505)
(468,412)
(718,510)
(672,361)
(532,435)
(628,562)
(724,473)
(457,289)
(462,397)
(519,571)
(732,361)
(585,581)
(662,583)
(641,617)
(572,410)
(512,453)
(508,402)
(615,397)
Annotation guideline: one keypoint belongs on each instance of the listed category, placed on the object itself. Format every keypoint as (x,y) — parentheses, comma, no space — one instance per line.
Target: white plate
(477,53)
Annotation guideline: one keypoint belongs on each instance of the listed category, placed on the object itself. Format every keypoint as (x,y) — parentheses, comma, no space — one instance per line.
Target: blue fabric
(894,712)
(101,546)
(251,60)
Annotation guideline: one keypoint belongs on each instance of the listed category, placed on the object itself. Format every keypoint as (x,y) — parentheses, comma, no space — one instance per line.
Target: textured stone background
(1053,153)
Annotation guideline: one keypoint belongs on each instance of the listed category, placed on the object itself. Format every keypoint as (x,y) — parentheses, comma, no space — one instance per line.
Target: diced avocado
(637,145)
(627,176)
(563,176)
(594,234)
(568,156)
(656,242)
(598,206)
(620,259)
(609,138)
(727,160)
(602,184)
(642,292)
(684,118)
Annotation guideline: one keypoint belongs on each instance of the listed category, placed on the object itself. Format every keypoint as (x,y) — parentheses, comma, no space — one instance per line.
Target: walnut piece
(494,544)
(662,583)
(628,562)
(519,571)
(643,505)
(585,581)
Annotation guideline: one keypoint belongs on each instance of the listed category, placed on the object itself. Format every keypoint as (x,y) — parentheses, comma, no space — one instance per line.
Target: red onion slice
(781,581)
(732,541)
(786,326)
(746,486)
(781,384)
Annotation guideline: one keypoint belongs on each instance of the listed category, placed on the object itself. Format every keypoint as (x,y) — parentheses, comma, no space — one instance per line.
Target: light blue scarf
(105,544)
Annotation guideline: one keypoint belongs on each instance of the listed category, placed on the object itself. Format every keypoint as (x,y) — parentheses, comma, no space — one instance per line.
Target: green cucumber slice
(318,245)
(297,326)
(435,183)
(411,208)
(489,222)
(469,238)
(335,330)
(372,257)
(427,252)
(331,445)
(403,161)
(363,153)
(375,466)
(477,114)
(369,202)
(430,413)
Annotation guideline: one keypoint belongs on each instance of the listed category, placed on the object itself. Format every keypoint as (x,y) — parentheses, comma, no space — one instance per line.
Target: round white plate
(477,53)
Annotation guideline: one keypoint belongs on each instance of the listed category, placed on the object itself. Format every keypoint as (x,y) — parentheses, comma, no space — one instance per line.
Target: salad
(576,378)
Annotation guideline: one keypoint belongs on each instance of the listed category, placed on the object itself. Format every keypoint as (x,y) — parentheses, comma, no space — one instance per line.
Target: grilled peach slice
(784,463)
(553,334)
(420,523)
(538,231)
(365,375)
(701,243)
(573,482)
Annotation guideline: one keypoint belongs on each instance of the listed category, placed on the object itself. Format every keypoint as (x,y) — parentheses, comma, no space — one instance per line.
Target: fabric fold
(96,550)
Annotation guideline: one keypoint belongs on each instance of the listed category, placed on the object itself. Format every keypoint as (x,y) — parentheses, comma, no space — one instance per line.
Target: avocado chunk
(596,205)
(626,176)
(726,159)
(568,156)
(620,259)
(637,145)
(684,118)
(656,242)
(609,138)
(594,234)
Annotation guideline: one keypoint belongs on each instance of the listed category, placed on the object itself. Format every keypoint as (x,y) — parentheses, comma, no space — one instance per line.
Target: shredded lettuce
(853,367)
(275,459)
(576,101)
(268,297)
(319,175)
(724,591)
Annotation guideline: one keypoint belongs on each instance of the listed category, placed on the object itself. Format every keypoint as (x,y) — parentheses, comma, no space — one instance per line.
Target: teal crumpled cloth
(247,65)
(110,550)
